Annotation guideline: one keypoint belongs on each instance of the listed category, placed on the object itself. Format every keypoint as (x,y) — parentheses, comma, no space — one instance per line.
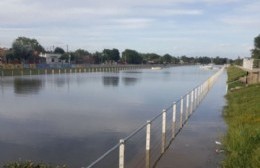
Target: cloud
(243,21)
(134,23)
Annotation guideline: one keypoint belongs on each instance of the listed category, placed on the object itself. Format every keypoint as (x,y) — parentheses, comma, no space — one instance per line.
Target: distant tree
(167,58)
(59,50)
(9,56)
(111,55)
(65,57)
(219,61)
(204,60)
(238,61)
(115,55)
(185,59)
(152,58)
(26,49)
(175,60)
(132,57)
(97,57)
(82,56)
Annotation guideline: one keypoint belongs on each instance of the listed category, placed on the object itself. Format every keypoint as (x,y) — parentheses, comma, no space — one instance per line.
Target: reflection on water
(129,81)
(110,80)
(73,118)
(27,86)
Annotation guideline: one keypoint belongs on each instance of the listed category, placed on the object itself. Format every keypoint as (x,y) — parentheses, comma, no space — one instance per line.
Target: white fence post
(226,88)
(187,106)
(181,112)
(121,153)
(173,119)
(191,103)
(195,101)
(199,94)
(148,144)
(163,130)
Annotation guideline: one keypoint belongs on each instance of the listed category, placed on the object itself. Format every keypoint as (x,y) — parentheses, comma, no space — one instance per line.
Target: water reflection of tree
(27,86)
(111,80)
(129,81)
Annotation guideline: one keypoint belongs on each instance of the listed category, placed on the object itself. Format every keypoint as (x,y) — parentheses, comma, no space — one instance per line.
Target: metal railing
(145,146)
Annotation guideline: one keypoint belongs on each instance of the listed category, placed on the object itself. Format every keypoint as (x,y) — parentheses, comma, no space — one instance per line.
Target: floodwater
(72,119)
(198,145)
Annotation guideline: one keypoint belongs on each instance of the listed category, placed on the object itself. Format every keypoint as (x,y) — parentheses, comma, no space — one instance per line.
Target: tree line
(26,50)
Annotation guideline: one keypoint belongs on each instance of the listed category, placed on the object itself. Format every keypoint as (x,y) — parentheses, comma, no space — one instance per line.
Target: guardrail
(145,146)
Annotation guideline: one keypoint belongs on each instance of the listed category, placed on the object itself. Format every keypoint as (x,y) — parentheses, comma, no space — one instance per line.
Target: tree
(167,58)
(97,57)
(111,55)
(26,49)
(132,57)
(82,56)
(257,42)
(175,60)
(219,61)
(256,50)
(204,60)
(59,50)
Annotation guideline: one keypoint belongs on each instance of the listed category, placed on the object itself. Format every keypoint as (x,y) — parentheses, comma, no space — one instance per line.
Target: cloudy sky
(223,28)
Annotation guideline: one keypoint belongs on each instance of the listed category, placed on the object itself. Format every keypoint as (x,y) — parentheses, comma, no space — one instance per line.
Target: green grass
(242,115)
(234,74)
(30,164)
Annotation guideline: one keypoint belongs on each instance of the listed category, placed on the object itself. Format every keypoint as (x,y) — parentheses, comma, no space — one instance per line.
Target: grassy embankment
(242,115)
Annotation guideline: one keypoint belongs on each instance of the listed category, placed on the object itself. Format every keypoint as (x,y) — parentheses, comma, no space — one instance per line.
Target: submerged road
(196,146)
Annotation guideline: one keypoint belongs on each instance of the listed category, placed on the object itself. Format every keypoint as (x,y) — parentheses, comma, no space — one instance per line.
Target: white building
(52,58)
(248,63)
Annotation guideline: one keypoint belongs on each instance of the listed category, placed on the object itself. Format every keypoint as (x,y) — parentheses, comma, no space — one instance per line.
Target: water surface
(73,118)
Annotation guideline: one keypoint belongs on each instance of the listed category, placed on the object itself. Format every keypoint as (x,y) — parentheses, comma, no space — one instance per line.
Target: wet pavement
(197,145)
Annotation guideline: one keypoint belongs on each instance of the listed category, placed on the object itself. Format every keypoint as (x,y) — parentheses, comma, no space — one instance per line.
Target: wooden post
(163,131)
(173,119)
(121,153)
(148,144)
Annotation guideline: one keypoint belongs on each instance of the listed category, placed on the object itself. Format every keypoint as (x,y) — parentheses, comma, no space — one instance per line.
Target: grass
(30,164)
(234,74)
(242,115)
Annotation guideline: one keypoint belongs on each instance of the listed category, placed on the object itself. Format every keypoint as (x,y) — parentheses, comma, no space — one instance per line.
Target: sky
(224,28)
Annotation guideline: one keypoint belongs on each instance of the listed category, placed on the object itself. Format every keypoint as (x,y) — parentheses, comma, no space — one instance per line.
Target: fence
(41,70)
(145,146)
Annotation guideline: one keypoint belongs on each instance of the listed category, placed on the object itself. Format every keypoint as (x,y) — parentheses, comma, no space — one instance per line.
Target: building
(52,58)
(248,63)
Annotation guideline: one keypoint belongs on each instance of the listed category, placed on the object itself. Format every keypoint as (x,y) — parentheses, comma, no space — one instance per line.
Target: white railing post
(196,97)
(226,88)
(121,153)
(200,93)
(163,130)
(173,119)
(181,112)
(191,103)
(148,144)
(187,106)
